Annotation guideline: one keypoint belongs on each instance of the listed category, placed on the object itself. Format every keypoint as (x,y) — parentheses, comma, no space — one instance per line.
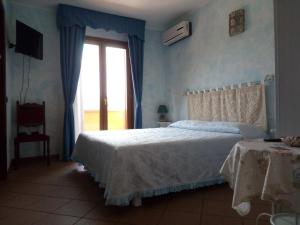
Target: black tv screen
(29,41)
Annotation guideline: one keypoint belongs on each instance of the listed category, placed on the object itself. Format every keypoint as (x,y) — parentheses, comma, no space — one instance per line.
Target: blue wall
(210,58)
(45,81)
(154,78)
(45,75)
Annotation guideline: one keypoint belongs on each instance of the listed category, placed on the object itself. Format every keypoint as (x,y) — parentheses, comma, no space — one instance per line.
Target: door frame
(3,129)
(103,43)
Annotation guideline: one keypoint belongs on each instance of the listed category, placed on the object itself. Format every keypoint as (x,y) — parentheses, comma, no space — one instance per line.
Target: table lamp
(162,110)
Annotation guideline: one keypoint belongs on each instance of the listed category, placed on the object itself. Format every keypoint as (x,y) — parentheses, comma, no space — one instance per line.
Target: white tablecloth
(271,171)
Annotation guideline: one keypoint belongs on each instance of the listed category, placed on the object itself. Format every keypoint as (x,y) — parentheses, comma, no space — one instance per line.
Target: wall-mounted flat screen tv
(28,41)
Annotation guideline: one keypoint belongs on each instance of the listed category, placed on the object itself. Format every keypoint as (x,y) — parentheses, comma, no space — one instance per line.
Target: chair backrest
(31,115)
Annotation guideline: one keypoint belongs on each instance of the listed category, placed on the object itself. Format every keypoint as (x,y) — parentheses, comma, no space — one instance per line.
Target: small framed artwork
(237,22)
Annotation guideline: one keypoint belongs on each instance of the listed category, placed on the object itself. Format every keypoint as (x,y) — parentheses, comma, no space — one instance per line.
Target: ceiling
(157,13)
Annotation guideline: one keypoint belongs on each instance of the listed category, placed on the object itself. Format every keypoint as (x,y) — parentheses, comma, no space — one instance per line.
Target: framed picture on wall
(237,22)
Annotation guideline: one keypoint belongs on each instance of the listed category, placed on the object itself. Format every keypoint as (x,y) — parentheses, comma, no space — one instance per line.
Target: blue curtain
(136,51)
(68,15)
(71,22)
(71,46)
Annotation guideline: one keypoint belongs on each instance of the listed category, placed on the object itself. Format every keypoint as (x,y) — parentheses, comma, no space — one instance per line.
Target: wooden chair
(31,115)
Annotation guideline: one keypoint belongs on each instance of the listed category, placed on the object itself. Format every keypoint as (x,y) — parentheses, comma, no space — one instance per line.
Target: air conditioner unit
(177,33)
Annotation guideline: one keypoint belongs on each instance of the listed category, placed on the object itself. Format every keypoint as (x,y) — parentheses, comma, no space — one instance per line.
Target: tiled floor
(64,194)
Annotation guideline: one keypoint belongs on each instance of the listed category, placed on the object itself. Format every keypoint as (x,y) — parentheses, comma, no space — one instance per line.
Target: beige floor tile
(66,190)
(52,190)
(141,216)
(52,219)
(42,189)
(218,193)
(9,186)
(94,194)
(17,200)
(106,213)
(197,193)
(4,212)
(253,222)
(179,218)
(78,179)
(218,220)
(93,222)
(22,217)
(258,201)
(159,202)
(185,203)
(219,208)
(76,208)
(28,188)
(47,204)
(256,209)
(47,180)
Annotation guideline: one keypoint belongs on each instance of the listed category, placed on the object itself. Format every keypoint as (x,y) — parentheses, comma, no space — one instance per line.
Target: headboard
(243,103)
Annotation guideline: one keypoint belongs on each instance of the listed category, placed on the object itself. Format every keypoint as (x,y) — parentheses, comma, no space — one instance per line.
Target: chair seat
(32,138)
(31,115)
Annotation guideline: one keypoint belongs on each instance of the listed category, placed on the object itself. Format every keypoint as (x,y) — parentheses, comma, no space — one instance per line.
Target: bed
(134,164)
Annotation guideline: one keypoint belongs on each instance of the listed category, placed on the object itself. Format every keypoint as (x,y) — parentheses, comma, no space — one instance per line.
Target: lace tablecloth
(271,171)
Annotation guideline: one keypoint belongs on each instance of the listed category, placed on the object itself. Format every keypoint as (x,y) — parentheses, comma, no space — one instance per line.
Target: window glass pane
(90,81)
(116,73)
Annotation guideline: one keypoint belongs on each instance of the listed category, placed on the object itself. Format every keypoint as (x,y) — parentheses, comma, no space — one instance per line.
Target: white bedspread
(148,162)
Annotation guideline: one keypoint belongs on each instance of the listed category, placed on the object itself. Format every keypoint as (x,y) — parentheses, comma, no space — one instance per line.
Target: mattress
(149,162)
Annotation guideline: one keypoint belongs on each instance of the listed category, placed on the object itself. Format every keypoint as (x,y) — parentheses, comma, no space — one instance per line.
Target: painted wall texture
(210,58)
(45,79)
(207,59)
(154,78)
(45,82)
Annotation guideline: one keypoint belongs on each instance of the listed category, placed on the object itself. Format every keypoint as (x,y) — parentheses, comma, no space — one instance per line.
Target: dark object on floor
(272,140)
(31,115)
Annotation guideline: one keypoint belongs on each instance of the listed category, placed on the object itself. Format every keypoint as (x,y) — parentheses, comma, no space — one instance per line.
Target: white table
(271,171)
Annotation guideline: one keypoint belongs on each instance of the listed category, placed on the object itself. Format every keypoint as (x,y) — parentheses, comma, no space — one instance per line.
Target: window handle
(105,101)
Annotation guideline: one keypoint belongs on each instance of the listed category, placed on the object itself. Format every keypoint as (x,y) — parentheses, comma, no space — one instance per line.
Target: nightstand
(164,124)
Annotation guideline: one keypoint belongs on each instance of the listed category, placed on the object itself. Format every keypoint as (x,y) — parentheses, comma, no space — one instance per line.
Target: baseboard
(33,159)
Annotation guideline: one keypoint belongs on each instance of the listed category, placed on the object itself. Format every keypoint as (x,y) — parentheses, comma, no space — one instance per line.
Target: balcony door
(106,86)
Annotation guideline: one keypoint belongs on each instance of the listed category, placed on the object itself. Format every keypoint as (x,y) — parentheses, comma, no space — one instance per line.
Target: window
(105,86)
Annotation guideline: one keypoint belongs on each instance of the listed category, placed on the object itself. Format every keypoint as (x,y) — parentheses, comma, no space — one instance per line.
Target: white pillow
(246,130)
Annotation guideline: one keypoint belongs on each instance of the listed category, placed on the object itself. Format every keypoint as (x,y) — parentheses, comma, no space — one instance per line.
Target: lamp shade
(162,109)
